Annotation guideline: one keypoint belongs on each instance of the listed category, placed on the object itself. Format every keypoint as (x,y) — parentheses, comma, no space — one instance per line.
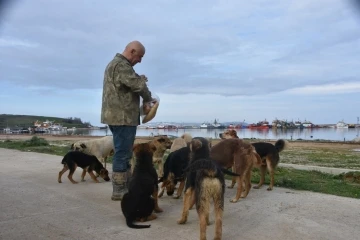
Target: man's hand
(146,108)
(144,77)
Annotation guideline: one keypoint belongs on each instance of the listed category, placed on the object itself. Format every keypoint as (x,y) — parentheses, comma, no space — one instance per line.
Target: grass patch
(36,144)
(338,158)
(313,181)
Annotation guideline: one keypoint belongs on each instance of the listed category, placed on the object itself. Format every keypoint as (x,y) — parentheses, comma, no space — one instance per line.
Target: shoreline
(292,143)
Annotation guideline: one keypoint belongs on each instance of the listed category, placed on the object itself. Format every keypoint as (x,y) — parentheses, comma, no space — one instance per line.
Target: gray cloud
(200,47)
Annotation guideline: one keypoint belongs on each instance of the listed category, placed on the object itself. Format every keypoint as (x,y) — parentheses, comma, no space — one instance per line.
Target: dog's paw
(256,187)
(230,187)
(176,197)
(181,221)
(233,200)
(151,217)
(269,188)
(158,210)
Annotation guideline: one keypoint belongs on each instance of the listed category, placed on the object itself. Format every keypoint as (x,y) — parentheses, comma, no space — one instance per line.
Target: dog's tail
(130,224)
(63,160)
(229,172)
(280,145)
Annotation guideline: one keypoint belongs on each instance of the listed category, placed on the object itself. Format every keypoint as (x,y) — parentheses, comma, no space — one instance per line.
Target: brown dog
(269,154)
(241,156)
(162,143)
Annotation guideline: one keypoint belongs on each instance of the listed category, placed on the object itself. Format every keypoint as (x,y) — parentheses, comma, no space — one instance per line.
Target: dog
(231,133)
(174,167)
(200,150)
(269,155)
(102,148)
(209,186)
(241,157)
(139,202)
(74,159)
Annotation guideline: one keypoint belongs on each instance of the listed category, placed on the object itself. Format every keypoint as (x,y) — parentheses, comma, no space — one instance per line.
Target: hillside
(8,120)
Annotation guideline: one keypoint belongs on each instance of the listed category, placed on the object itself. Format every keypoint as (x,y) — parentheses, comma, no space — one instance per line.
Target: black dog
(269,153)
(174,167)
(138,203)
(74,159)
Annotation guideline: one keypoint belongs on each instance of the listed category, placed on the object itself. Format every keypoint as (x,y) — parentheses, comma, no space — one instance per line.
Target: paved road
(35,206)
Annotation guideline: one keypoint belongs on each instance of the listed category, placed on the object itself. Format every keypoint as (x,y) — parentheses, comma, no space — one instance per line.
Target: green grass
(311,181)
(338,158)
(36,144)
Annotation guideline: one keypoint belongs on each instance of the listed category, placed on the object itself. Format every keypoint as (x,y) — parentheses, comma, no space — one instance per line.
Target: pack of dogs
(194,163)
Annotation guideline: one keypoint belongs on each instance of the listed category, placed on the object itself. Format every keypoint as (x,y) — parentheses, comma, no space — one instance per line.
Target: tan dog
(241,156)
(181,142)
(269,154)
(161,143)
(231,133)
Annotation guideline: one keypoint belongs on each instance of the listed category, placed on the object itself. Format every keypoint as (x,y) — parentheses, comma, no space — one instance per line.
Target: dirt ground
(35,206)
(291,145)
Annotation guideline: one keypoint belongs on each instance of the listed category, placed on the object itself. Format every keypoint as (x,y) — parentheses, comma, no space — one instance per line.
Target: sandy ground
(35,206)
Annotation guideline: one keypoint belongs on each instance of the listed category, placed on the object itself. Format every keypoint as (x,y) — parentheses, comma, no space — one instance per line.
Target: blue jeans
(123,137)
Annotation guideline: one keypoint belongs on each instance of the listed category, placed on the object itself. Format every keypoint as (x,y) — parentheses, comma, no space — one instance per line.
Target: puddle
(356,150)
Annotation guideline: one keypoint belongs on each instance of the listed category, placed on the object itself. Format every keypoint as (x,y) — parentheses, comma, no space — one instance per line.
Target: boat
(276,123)
(259,125)
(307,124)
(217,125)
(55,127)
(298,124)
(204,125)
(341,124)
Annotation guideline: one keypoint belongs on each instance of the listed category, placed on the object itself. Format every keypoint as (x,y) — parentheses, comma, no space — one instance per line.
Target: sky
(205,59)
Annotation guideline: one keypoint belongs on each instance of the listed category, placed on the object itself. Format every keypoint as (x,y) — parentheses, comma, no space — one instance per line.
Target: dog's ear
(83,145)
(234,133)
(135,147)
(195,144)
(152,147)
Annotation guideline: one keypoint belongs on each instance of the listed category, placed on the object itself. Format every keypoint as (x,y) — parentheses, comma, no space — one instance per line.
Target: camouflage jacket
(121,93)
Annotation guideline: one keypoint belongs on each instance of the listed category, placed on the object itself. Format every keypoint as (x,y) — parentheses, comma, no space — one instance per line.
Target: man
(120,110)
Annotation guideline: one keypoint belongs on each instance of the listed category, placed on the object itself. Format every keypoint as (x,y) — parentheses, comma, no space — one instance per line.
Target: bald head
(134,52)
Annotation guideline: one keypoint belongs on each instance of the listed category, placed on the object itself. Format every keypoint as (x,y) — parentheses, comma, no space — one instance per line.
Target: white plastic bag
(153,105)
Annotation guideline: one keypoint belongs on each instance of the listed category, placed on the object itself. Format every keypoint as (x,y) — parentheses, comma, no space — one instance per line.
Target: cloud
(200,48)
(340,88)
(9,42)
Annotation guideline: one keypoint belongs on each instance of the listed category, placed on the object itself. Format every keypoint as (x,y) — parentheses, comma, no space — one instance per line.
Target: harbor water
(334,134)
